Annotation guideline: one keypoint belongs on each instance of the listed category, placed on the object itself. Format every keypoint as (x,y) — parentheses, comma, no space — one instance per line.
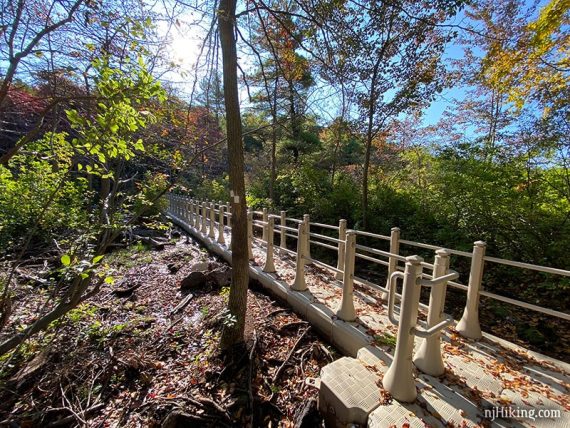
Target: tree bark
(233,333)
(273,176)
(369,138)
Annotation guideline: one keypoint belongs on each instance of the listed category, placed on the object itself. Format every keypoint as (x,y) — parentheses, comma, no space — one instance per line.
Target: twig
(277,311)
(181,305)
(24,275)
(69,407)
(210,403)
(72,417)
(326,351)
(302,358)
(125,292)
(291,325)
(251,364)
(289,355)
(173,324)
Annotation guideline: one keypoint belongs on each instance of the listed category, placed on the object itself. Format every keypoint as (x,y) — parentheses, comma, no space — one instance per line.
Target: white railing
(468,323)
(201,217)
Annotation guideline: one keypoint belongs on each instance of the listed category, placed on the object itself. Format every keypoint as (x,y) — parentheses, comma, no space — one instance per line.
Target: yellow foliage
(536,60)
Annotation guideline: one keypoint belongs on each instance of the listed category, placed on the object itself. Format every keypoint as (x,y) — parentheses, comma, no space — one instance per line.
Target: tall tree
(233,333)
(392,51)
(283,75)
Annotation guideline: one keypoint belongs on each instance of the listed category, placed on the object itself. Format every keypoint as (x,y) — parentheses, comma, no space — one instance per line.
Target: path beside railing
(460,377)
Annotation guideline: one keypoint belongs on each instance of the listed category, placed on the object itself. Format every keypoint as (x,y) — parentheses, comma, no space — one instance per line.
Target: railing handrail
(529,266)
(294,220)
(507,262)
(326,226)
(325,237)
(380,252)
(372,235)
(291,229)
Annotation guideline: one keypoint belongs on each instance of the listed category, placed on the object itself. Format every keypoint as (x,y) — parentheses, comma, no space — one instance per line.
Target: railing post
(264,230)
(392,261)
(198,215)
(346,310)
(283,232)
(299,284)
(341,248)
(229,223)
(249,234)
(307,222)
(228,215)
(399,379)
(194,214)
(212,232)
(428,357)
(269,265)
(204,228)
(221,238)
(468,325)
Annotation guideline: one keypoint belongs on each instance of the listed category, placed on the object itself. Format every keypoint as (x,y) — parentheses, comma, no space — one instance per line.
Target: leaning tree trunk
(234,332)
(369,138)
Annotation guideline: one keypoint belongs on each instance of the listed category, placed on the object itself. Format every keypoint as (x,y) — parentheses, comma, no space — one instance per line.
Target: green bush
(41,194)
(148,190)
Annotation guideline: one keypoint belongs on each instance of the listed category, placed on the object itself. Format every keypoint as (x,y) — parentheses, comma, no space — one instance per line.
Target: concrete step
(351,393)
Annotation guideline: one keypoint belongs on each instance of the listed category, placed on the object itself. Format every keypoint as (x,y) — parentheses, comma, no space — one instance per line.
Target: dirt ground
(128,358)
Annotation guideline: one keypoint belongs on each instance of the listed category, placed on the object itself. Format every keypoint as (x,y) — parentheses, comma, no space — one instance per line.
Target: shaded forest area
(449,120)
(146,354)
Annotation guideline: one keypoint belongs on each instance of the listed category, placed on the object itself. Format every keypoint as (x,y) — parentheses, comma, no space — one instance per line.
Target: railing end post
(346,311)
(269,262)
(299,284)
(429,358)
(469,326)
(341,248)
(250,234)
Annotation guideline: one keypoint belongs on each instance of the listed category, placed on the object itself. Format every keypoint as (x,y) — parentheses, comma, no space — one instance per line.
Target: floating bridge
(406,363)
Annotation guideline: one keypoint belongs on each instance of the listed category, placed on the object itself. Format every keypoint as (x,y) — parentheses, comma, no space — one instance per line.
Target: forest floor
(131,358)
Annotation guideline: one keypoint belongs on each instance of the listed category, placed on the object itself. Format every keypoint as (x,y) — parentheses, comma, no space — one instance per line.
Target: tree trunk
(335,155)
(295,129)
(273,143)
(273,162)
(369,138)
(234,332)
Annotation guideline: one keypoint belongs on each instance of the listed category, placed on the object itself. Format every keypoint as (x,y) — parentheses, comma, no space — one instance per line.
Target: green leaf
(65,260)
(109,280)
(97,259)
